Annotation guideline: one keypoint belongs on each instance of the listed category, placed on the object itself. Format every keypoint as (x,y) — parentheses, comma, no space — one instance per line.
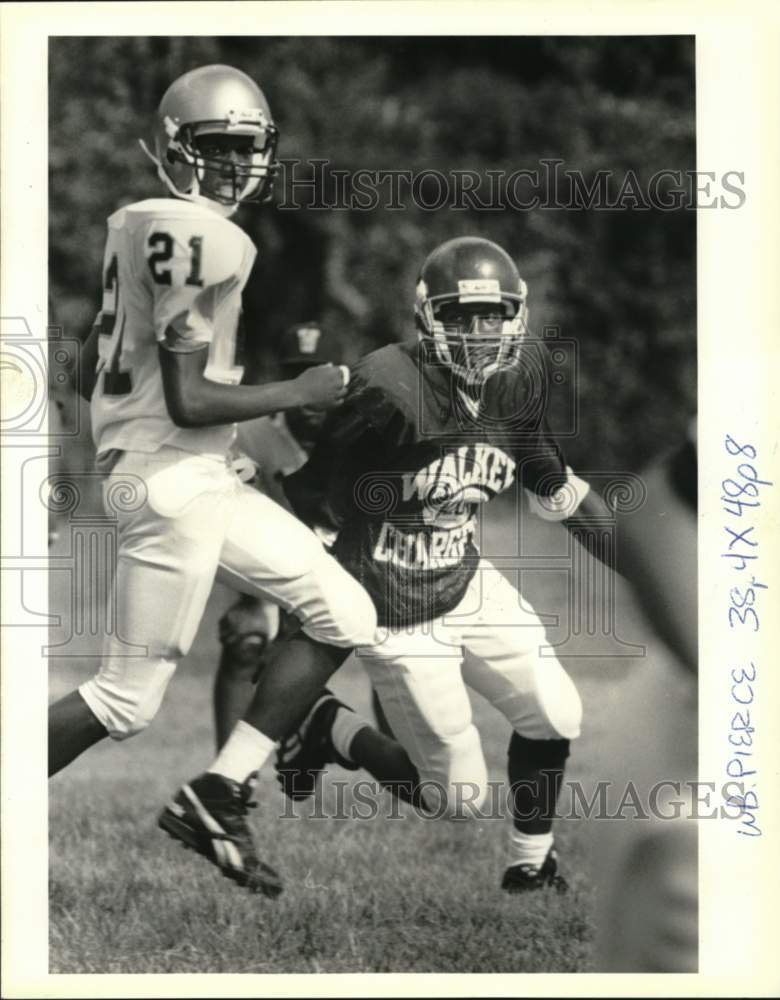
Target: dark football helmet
(201,122)
(471,307)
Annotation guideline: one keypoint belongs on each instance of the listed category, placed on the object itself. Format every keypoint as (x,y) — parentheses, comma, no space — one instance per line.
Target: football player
(268,449)
(164,408)
(429,433)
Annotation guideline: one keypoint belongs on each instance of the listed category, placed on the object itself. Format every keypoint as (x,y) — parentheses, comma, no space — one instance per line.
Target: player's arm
(186,313)
(581,511)
(557,493)
(195,401)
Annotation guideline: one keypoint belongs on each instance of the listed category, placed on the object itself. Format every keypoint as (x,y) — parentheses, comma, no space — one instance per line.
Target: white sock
(345,726)
(245,751)
(529,848)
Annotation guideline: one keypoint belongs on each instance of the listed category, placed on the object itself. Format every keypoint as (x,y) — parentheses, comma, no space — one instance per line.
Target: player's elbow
(185,388)
(187,413)
(186,406)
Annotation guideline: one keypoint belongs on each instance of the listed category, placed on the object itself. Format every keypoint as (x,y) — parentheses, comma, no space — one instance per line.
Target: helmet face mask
(471,308)
(231,169)
(215,139)
(477,339)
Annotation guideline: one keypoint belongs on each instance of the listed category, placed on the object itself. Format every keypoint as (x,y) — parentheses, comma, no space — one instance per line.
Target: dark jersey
(401,470)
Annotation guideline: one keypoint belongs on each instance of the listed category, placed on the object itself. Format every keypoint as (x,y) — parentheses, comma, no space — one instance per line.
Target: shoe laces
(239,804)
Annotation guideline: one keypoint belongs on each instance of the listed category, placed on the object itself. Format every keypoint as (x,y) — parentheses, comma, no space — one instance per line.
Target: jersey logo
(423,550)
(308,339)
(469,474)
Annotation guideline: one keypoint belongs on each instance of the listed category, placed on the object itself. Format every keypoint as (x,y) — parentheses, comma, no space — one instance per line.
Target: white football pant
(191,519)
(491,642)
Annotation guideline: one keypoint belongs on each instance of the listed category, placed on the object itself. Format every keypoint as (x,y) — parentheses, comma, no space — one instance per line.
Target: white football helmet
(208,103)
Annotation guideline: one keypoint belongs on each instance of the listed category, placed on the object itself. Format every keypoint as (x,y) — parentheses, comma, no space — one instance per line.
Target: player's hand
(323,387)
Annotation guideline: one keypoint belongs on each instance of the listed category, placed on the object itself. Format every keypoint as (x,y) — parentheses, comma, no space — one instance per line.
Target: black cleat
(209,816)
(303,755)
(526,878)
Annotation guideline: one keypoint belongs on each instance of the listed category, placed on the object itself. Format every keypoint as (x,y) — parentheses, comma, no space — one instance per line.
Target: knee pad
(249,623)
(454,784)
(126,700)
(244,657)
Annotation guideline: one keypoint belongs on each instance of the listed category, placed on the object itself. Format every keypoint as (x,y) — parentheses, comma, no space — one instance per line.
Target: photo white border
(738,128)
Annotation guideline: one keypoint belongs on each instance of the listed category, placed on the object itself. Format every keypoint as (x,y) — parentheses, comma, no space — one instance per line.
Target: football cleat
(526,878)
(303,755)
(209,815)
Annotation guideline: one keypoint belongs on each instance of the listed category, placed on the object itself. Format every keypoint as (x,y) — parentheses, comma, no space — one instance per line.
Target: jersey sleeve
(516,401)
(191,265)
(322,493)
(384,392)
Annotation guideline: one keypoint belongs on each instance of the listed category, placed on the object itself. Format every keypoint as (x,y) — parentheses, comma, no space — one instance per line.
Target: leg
(298,669)
(269,553)
(234,685)
(535,776)
(245,631)
(386,760)
(166,563)
(333,733)
(379,714)
(421,690)
(503,663)
(437,759)
(72,730)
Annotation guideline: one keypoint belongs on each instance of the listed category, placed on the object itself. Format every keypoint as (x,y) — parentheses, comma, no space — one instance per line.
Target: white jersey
(173,272)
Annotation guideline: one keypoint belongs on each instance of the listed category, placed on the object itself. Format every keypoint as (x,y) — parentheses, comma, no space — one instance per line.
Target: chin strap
(194,195)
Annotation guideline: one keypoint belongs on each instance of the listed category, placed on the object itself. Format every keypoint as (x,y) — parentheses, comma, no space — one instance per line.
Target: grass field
(385,894)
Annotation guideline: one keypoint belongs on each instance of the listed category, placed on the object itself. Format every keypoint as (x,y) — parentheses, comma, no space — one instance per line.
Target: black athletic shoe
(303,755)
(209,816)
(526,878)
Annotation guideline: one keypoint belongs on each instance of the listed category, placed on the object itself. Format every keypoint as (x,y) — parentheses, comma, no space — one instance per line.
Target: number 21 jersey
(173,273)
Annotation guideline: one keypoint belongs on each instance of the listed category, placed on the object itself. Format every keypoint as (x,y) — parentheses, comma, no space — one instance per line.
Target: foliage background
(621,283)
